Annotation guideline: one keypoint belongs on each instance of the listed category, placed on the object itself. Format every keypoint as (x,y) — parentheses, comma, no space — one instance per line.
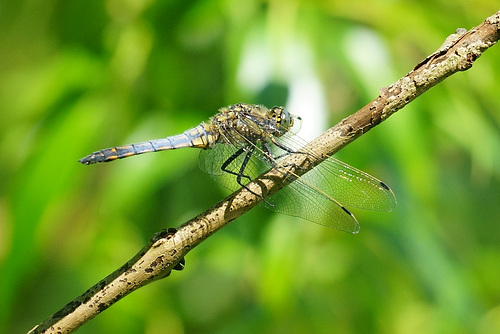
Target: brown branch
(167,249)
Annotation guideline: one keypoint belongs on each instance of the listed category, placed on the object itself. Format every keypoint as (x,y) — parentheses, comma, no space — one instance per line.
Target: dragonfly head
(282,117)
(286,121)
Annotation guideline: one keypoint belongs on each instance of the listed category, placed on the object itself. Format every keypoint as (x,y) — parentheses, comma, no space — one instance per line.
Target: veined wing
(318,196)
(236,155)
(346,184)
(211,161)
(303,199)
(300,198)
(351,186)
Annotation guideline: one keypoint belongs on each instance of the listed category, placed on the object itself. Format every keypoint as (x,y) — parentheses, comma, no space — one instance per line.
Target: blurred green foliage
(77,76)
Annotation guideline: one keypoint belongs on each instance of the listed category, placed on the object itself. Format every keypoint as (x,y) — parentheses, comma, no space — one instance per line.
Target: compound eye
(282,117)
(286,119)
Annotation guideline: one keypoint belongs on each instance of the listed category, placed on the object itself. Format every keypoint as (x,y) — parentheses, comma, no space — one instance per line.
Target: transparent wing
(299,199)
(211,162)
(346,184)
(352,187)
(235,155)
(318,196)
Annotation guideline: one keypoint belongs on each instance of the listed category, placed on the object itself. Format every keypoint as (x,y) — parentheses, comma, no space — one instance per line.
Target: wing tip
(385,186)
(356,226)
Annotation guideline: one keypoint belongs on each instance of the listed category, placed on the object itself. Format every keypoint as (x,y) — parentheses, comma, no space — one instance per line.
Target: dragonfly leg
(288,151)
(240,175)
(228,162)
(269,155)
(283,147)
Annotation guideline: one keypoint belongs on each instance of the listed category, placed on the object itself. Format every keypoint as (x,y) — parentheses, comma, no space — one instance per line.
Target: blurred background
(78,76)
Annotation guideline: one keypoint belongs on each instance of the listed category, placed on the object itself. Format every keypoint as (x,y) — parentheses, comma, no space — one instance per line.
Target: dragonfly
(243,140)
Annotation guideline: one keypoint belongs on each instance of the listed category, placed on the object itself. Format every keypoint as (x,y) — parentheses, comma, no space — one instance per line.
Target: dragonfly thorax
(250,123)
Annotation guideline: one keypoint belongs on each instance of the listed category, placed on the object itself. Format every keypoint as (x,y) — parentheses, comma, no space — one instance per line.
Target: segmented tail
(200,137)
